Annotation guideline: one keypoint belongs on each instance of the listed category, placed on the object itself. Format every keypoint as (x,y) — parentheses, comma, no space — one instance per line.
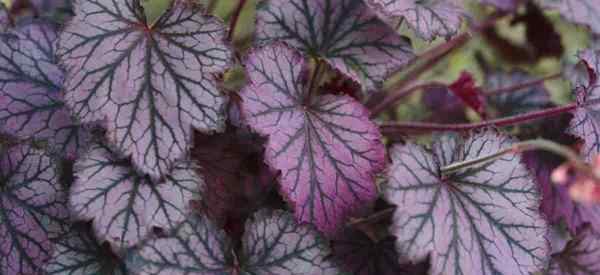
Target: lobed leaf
(150,83)
(479,220)
(343,32)
(125,205)
(273,244)
(429,19)
(325,147)
(31,83)
(32,209)
(580,256)
(79,253)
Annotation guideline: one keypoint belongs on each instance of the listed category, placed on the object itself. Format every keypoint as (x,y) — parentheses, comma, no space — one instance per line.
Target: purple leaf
(273,243)
(428,19)
(557,204)
(49,5)
(125,205)
(507,5)
(150,83)
(580,256)
(343,32)
(516,102)
(32,209)
(79,253)
(31,103)
(325,147)
(479,220)
(585,12)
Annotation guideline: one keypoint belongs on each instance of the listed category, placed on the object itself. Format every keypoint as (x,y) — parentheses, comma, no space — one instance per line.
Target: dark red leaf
(466,89)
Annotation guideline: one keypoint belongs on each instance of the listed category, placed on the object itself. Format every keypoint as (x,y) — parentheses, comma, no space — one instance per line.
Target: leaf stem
(395,127)
(235,18)
(536,144)
(314,80)
(523,85)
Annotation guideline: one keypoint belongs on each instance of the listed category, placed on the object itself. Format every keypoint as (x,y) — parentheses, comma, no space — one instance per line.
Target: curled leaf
(125,205)
(150,83)
(343,32)
(478,220)
(325,147)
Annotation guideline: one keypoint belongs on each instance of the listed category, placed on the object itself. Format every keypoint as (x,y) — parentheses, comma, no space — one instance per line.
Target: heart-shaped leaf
(31,103)
(428,19)
(325,147)
(33,209)
(150,83)
(125,205)
(508,103)
(343,32)
(585,12)
(273,243)
(580,256)
(557,205)
(79,253)
(479,220)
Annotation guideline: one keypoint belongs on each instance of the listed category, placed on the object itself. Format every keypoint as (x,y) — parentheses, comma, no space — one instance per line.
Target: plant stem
(536,144)
(390,99)
(523,85)
(314,80)
(235,18)
(395,127)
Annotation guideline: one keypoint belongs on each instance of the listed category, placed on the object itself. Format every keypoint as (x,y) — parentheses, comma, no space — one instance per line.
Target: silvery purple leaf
(79,253)
(31,100)
(325,147)
(514,102)
(580,256)
(273,243)
(150,83)
(343,32)
(429,19)
(557,205)
(479,220)
(32,209)
(126,205)
(585,12)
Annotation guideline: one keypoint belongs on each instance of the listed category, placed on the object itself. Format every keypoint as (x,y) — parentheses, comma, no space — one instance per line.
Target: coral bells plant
(304,137)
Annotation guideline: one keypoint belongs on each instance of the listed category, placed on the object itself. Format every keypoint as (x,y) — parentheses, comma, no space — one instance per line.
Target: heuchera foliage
(300,137)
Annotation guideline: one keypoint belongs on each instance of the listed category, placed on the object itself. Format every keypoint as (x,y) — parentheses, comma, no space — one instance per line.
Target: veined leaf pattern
(126,205)
(580,256)
(480,220)
(325,147)
(343,32)
(33,209)
(585,12)
(150,83)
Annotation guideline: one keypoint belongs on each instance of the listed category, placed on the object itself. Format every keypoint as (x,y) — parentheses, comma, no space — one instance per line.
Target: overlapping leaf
(580,256)
(585,12)
(428,19)
(343,32)
(273,243)
(79,253)
(125,205)
(150,83)
(479,220)
(31,101)
(325,147)
(33,209)
(507,103)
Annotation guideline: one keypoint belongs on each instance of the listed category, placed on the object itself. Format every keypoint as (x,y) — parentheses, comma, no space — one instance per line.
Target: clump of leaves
(137,140)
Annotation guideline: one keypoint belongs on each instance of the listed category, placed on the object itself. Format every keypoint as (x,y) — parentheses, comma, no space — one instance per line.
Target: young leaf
(125,205)
(79,253)
(516,102)
(580,256)
(585,12)
(272,244)
(325,147)
(557,205)
(31,103)
(479,220)
(150,83)
(32,209)
(343,32)
(428,19)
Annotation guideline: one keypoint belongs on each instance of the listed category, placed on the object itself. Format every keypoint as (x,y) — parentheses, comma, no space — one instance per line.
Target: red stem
(523,85)
(235,18)
(395,127)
